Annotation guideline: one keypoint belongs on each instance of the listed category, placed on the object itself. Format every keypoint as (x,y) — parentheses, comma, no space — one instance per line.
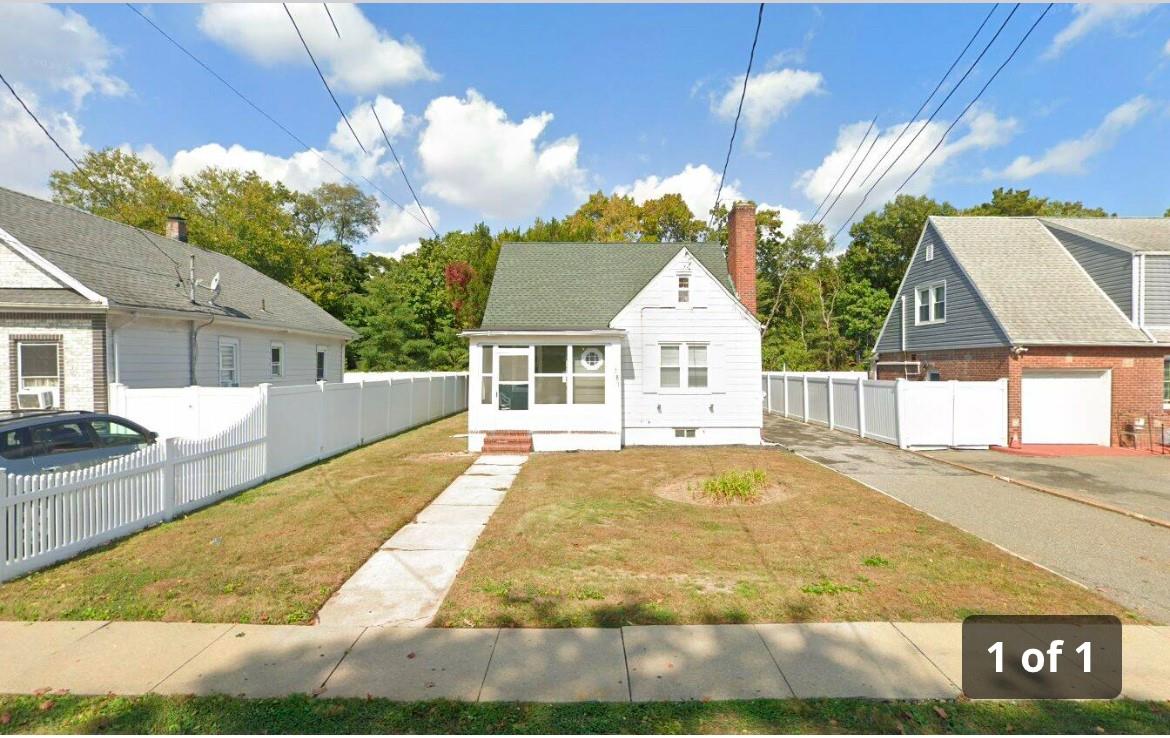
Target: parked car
(56,441)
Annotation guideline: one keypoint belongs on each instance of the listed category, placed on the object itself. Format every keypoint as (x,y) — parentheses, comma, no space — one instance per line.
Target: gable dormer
(1110,267)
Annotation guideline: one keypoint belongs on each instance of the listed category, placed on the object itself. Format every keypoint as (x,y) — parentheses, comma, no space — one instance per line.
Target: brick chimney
(741,252)
(177,228)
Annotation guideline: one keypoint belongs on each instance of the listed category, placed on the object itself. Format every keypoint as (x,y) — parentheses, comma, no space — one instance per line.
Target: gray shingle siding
(1157,290)
(969,322)
(1110,268)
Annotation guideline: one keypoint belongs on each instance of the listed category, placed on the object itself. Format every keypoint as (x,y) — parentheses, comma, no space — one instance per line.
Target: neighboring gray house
(86,302)
(1074,312)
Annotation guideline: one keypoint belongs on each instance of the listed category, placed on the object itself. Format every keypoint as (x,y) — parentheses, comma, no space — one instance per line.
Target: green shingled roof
(575,286)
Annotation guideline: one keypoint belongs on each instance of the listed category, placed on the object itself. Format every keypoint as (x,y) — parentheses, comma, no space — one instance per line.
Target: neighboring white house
(600,345)
(86,302)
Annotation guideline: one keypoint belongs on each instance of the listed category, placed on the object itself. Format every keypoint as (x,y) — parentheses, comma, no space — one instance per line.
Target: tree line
(821,307)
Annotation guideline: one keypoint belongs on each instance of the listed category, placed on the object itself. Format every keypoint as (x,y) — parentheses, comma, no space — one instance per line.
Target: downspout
(193,349)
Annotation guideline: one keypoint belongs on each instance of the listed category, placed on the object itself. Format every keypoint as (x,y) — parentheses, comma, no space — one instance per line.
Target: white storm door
(513,367)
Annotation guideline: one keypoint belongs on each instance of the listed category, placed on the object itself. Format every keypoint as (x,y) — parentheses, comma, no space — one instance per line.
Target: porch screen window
(229,362)
(696,365)
(513,381)
(37,368)
(669,372)
(485,371)
(552,380)
(588,375)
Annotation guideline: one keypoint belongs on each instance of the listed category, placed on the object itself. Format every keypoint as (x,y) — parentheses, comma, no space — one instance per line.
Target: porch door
(513,378)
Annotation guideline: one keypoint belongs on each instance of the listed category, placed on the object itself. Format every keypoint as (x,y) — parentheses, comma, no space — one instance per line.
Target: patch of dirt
(689,491)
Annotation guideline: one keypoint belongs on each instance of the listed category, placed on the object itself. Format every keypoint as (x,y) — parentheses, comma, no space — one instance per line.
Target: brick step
(507,442)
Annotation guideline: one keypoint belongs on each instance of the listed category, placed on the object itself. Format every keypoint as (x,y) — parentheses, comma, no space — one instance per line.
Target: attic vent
(930,251)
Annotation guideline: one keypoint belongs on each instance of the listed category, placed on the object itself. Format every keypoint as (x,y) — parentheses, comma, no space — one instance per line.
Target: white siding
(729,410)
(154,353)
(18,272)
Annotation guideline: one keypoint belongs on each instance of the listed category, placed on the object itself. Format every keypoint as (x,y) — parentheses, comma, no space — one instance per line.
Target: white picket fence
(900,412)
(49,517)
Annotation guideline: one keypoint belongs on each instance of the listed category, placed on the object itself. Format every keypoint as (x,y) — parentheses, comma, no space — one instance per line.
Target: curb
(1049,491)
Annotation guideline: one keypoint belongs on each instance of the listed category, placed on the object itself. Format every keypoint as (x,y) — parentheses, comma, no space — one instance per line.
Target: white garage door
(1066,407)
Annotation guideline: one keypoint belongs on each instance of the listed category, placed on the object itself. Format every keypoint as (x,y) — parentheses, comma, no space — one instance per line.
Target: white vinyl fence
(45,518)
(900,412)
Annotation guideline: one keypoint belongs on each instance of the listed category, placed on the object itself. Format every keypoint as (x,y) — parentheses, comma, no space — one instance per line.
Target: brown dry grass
(582,539)
(272,554)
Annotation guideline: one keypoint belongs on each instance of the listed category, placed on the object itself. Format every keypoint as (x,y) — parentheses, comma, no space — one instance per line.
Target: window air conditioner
(34,400)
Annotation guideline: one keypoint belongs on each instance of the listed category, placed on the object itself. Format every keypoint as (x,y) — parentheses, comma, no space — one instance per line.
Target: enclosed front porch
(564,388)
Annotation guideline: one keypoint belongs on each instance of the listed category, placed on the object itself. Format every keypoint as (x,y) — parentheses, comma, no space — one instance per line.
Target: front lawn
(614,538)
(273,554)
(153,714)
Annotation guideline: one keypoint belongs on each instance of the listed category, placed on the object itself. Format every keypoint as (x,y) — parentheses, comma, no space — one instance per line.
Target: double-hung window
(1166,383)
(229,362)
(276,359)
(38,368)
(930,304)
(321,354)
(674,357)
(684,288)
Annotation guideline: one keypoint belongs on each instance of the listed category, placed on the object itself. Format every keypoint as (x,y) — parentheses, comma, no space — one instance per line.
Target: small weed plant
(735,486)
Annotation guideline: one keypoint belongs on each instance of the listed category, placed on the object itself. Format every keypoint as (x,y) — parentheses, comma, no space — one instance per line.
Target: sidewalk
(638,663)
(1124,559)
(406,580)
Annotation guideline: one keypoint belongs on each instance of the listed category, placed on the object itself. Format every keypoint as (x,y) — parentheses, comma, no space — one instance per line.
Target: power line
(80,171)
(845,169)
(974,100)
(322,76)
(923,127)
(398,161)
(326,6)
(739,110)
(833,204)
(925,102)
(323,159)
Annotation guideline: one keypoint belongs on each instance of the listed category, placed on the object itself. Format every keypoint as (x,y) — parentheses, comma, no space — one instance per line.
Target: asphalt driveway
(1140,484)
(1125,559)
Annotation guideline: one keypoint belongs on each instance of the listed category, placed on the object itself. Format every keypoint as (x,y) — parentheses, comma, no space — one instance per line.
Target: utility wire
(326,6)
(844,169)
(739,110)
(923,127)
(324,160)
(860,164)
(977,96)
(926,102)
(847,165)
(402,169)
(80,171)
(322,76)
(974,100)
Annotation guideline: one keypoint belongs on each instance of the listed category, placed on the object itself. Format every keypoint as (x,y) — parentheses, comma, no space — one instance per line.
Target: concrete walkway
(405,581)
(1126,560)
(639,663)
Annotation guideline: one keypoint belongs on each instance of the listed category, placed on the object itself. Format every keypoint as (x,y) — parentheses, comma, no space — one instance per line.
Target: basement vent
(684,432)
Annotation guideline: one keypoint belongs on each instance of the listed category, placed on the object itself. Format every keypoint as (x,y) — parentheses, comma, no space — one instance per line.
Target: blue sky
(507,112)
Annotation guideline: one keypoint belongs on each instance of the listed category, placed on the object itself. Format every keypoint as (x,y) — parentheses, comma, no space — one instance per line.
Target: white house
(86,302)
(600,345)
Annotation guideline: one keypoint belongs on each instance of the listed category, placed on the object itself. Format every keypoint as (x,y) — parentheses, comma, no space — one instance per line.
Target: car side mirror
(152,436)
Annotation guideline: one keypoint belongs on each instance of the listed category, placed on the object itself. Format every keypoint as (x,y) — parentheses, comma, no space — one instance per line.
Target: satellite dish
(214,288)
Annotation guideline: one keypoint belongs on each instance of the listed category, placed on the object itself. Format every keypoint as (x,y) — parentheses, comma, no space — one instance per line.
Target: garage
(1066,407)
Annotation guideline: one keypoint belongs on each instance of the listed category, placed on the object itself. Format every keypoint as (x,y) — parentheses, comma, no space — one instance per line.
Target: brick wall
(741,252)
(82,338)
(1136,376)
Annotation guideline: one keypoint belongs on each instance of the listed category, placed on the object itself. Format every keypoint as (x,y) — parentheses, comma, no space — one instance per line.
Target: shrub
(735,486)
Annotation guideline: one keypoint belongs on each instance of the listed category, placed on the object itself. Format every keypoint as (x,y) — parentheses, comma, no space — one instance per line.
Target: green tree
(881,243)
(1021,202)
(120,186)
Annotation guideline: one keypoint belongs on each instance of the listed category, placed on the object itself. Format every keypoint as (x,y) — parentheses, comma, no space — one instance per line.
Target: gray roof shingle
(49,296)
(1033,286)
(1135,234)
(115,261)
(580,286)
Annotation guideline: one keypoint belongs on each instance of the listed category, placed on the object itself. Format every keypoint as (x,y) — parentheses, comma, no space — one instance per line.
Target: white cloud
(790,218)
(696,184)
(768,96)
(398,225)
(364,60)
(1069,156)
(44,47)
(364,123)
(982,129)
(474,156)
(302,170)
(398,251)
(1089,17)
(26,154)
(1166,48)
